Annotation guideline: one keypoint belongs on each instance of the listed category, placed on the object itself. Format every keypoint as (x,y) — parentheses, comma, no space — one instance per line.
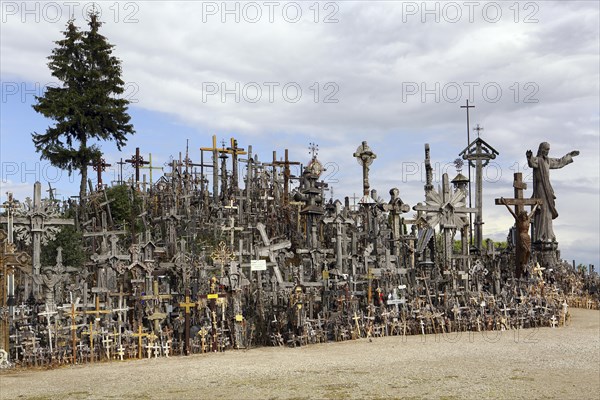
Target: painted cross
(222,255)
(187,305)
(49,313)
(120,310)
(149,167)
(73,314)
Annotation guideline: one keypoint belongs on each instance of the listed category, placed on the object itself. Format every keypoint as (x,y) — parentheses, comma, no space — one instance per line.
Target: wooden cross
(106,343)
(99,165)
(97,311)
(121,308)
(137,161)
(38,224)
(519,202)
(48,314)
(139,335)
(286,174)
(91,334)
(187,304)
(73,313)
(522,253)
(215,166)
(480,153)
(212,297)
(232,229)
(156,316)
(149,167)
(9,259)
(447,210)
(234,150)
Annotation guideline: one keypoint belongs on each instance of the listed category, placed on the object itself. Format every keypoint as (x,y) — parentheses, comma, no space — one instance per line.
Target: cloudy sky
(279,75)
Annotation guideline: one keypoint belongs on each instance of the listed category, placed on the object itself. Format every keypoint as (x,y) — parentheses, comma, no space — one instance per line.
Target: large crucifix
(522,222)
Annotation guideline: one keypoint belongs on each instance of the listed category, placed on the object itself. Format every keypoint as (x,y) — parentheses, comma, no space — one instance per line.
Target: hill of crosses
(234,251)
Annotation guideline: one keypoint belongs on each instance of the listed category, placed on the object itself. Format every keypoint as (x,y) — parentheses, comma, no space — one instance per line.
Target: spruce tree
(85,106)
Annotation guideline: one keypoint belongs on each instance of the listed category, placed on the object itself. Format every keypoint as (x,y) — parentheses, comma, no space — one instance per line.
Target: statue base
(546,254)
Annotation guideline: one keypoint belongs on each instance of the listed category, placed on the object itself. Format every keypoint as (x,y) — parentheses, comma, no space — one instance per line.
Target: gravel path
(561,363)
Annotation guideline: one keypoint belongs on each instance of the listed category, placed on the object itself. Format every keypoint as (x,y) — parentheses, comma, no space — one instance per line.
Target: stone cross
(365,156)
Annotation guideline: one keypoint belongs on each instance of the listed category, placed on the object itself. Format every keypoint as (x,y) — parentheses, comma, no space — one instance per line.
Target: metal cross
(137,161)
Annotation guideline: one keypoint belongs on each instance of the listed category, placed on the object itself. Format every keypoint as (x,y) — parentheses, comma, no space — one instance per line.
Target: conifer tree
(85,106)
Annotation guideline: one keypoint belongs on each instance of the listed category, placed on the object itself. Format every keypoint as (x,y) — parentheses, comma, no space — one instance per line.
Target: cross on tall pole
(215,166)
(121,163)
(479,154)
(137,161)
(286,173)
(469,166)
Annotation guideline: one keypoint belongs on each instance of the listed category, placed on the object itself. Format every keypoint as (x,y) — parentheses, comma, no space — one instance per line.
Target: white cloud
(371,54)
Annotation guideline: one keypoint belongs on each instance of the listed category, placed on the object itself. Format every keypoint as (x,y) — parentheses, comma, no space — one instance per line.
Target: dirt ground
(562,363)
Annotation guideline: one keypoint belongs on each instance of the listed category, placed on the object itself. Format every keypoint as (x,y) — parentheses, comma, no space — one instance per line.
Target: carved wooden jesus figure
(523,241)
(542,189)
